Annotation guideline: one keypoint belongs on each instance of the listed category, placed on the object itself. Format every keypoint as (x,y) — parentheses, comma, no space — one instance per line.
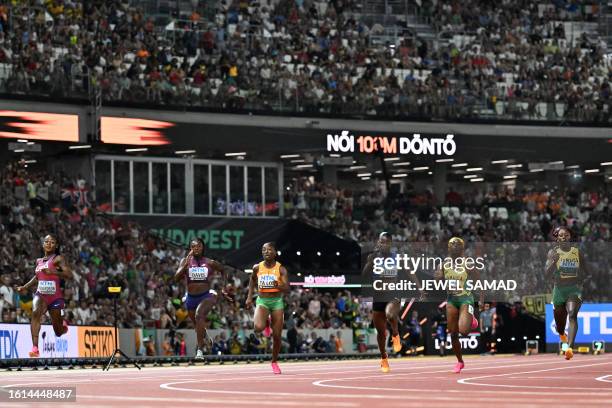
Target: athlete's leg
(452,317)
(39,308)
(560,314)
(465,319)
(392,315)
(573,307)
(192,316)
(261,318)
(277,331)
(57,321)
(201,314)
(380,323)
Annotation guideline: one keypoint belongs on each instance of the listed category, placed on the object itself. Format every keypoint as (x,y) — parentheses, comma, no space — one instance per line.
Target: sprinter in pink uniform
(50,269)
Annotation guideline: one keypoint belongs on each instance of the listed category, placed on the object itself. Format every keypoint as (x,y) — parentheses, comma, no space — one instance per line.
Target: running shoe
(474,322)
(199,355)
(397,344)
(384,365)
(275,368)
(458,367)
(563,338)
(268,330)
(34,352)
(569,353)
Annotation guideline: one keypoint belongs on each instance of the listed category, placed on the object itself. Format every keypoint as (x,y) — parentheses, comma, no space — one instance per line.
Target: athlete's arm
(220,269)
(367,269)
(180,272)
(252,283)
(284,280)
(551,261)
(476,273)
(585,273)
(66,271)
(22,290)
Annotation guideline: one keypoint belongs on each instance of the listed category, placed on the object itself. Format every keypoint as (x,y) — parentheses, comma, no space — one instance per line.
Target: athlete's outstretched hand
(249,303)
(228,293)
(21,290)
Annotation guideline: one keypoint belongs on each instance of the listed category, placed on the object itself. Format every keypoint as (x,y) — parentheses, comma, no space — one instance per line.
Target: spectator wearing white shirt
(7,292)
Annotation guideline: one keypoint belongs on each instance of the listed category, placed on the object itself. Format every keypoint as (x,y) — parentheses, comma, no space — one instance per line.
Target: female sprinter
(565,263)
(200,298)
(50,270)
(383,312)
(460,301)
(271,279)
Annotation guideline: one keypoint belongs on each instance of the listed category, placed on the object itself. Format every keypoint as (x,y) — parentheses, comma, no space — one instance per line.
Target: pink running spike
(34,352)
(268,330)
(474,322)
(275,368)
(458,367)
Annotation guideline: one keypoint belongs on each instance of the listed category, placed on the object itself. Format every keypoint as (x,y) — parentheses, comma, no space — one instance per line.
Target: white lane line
(224,401)
(323,383)
(406,367)
(604,378)
(470,381)
(273,397)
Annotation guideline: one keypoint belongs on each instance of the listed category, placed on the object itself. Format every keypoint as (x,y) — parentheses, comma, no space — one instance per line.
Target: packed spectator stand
(473,59)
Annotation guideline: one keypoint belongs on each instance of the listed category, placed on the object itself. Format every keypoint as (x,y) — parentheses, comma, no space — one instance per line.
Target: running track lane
(500,381)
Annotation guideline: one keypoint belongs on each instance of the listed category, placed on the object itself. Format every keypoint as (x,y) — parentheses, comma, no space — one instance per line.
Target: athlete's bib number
(198,274)
(389,273)
(267,281)
(456,286)
(47,287)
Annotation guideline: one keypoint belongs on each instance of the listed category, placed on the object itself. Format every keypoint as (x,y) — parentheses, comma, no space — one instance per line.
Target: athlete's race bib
(389,273)
(198,273)
(266,281)
(46,287)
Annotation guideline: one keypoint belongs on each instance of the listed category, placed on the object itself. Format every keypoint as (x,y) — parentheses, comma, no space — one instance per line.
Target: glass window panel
(103,184)
(254,205)
(122,186)
(177,185)
(200,189)
(236,190)
(141,187)
(218,190)
(160,188)
(271,175)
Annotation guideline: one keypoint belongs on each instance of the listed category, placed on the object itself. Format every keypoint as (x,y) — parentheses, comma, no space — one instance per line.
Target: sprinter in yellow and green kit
(271,280)
(566,265)
(460,301)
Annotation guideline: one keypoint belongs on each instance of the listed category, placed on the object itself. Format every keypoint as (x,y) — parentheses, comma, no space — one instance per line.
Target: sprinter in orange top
(272,280)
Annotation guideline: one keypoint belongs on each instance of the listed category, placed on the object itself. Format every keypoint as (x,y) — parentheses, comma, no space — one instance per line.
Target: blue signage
(594,323)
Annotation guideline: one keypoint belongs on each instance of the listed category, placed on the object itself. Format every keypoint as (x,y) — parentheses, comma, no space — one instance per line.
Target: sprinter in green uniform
(566,265)
(460,301)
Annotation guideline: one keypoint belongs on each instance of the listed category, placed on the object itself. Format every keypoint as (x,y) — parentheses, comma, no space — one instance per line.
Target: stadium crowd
(513,59)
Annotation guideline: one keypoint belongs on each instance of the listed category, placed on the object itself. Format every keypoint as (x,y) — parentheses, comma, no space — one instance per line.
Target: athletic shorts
(561,294)
(272,304)
(193,301)
(382,306)
(458,301)
(52,303)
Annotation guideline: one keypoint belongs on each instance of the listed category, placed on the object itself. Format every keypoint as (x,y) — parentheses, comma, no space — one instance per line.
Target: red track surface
(500,381)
